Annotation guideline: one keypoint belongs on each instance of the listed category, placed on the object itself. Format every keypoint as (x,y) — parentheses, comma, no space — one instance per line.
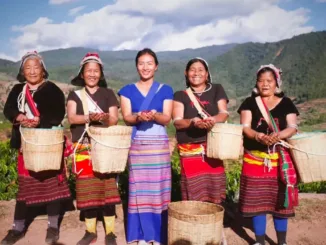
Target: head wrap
(89,57)
(27,56)
(277,71)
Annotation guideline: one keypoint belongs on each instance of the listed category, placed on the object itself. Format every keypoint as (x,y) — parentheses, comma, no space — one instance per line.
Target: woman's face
(146,67)
(92,74)
(197,74)
(266,84)
(33,71)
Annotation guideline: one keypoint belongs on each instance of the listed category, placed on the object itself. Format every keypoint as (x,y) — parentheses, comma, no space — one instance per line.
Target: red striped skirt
(262,191)
(42,187)
(202,179)
(94,190)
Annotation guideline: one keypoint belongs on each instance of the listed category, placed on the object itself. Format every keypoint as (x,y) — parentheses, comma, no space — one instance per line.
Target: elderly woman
(147,105)
(268,177)
(96,105)
(202,178)
(45,108)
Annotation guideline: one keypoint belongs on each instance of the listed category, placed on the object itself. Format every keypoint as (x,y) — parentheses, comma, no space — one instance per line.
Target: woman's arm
(165,117)
(245,120)
(291,120)
(177,115)
(113,116)
(129,118)
(73,118)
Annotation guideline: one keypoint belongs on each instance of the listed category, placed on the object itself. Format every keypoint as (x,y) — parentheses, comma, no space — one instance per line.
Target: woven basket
(110,148)
(310,156)
(224,141)
(195,223)
(42,148)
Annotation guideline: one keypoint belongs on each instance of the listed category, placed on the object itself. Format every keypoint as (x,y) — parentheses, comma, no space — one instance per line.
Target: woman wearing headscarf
(43,107)
(268,180)
(95,105)
(202,178)
(147,105)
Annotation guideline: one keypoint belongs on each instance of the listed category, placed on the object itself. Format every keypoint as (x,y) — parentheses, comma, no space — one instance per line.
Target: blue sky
(133,24)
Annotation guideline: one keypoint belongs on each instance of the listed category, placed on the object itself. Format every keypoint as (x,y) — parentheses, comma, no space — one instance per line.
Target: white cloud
(76,10)
(57,2)
(170,25)
(8,57)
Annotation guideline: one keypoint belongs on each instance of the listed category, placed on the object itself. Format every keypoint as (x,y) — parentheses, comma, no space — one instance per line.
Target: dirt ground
(307,228)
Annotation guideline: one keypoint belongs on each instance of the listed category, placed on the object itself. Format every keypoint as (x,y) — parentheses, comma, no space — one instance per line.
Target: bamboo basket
(309,155)
(195,223)
(224,141)
(110,148)
(42,148)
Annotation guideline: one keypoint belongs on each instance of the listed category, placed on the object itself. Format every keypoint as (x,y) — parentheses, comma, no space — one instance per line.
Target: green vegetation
(8,172)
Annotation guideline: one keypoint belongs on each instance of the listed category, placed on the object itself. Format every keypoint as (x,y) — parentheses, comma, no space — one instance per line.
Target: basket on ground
(42,148)
(195,223)
(224,141)
(110,148)
(310,156)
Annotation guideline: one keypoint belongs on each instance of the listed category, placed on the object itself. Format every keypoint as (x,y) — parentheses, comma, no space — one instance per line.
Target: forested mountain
(302,59)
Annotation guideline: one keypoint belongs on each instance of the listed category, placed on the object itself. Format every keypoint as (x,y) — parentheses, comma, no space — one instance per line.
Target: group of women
(148,106)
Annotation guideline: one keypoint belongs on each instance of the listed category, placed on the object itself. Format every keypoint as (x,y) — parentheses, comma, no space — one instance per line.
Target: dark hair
(146,51)
(21,78)
(264,70)
(79,80)
(260,73)
(192,61)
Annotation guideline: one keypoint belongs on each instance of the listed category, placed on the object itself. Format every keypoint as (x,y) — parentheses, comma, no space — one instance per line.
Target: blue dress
(149,166)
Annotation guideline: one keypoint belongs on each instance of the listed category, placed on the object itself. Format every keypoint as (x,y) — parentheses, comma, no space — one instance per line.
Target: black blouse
(258,123)
(209,101)
(104,97)
(50,102)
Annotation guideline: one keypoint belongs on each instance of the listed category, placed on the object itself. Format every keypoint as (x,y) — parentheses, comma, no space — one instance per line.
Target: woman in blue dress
(147,105)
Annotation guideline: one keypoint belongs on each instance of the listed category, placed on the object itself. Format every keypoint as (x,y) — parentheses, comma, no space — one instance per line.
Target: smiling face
(33,71)
(197,74)
(146,67)
(266,84)
(92,74)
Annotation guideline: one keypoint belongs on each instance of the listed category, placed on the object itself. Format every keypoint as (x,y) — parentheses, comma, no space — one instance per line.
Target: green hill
(302,59)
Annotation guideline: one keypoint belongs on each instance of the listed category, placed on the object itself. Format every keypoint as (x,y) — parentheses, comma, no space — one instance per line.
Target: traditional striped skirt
(261,190)
(41,187)
(149,192)
(202,178)
(94,190)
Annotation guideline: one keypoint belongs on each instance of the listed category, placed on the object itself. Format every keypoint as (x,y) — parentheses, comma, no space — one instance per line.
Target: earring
(278,90)
(255,90)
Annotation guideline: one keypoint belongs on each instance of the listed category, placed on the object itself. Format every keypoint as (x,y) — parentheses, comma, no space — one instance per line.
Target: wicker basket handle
(32,143)
(104,144)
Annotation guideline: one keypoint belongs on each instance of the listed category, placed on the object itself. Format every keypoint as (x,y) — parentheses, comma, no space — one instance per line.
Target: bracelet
(245,125)
(177,119)
(223,112)
(293,126)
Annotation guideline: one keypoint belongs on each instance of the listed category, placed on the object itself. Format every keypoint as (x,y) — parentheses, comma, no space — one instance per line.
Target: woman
(96,105)
(43,108)
(202,178)
(263,187)
(147,105)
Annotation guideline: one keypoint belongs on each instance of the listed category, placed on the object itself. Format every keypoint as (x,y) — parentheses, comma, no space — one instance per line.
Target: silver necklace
(207,89)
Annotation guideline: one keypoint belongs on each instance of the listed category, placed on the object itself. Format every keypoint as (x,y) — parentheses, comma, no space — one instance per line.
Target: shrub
(8,171)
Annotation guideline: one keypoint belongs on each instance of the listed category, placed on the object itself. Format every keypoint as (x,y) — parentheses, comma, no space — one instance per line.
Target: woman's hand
(262,138)
(30,123)
(104,117)
(95,117)
(274,138)
(21,117)
(209,123)
(199,123)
